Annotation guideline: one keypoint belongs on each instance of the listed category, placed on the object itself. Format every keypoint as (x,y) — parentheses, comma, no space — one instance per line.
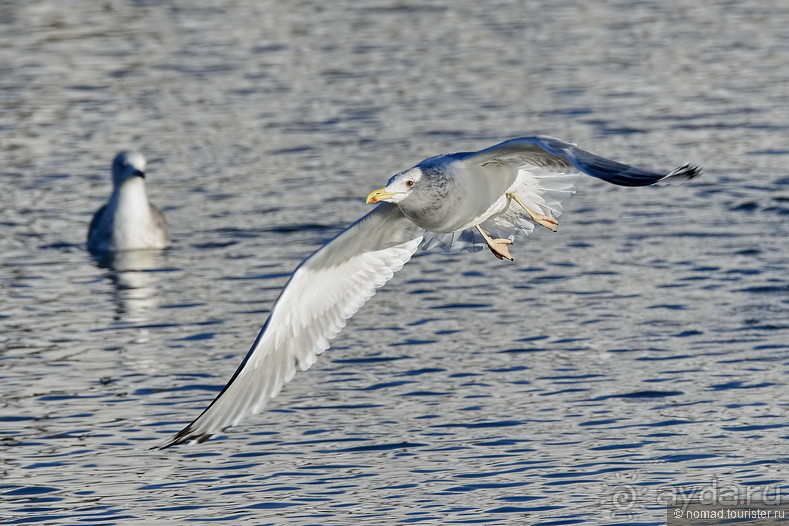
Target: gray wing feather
(324,291)
(548,151)
(97,228)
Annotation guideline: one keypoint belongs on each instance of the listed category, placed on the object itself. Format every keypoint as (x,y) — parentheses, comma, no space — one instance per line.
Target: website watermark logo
(624,495)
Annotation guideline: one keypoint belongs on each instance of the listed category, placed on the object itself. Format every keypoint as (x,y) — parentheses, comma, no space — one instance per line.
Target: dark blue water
(637,355)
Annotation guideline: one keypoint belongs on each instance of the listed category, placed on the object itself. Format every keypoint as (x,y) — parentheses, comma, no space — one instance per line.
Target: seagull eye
(409,183)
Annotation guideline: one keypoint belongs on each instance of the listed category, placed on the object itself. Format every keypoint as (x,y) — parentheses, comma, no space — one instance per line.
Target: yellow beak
(379,195)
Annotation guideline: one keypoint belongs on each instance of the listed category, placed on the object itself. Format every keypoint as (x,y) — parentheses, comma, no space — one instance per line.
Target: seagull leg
(541,219)
(497,246)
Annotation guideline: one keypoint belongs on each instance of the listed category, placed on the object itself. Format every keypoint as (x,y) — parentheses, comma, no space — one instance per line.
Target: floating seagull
(128,221)
(460,201)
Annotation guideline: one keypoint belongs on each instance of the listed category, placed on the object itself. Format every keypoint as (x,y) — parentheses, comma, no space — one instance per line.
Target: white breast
(134,224)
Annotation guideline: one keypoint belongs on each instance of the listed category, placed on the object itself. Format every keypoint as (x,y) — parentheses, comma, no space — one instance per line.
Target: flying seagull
(459,201)
(128,221)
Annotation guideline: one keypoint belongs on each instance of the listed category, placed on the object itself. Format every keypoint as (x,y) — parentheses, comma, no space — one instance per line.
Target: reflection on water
(133,274)
(639,351)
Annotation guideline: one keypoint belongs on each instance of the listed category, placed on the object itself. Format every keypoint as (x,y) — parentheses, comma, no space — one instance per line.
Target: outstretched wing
(542,171)
(324,291)
(548,152)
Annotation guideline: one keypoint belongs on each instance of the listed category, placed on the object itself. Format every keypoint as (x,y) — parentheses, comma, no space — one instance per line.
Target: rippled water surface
(639,352)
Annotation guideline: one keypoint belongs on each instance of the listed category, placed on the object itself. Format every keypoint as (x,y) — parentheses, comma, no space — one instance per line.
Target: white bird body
(128,221)
(448,201)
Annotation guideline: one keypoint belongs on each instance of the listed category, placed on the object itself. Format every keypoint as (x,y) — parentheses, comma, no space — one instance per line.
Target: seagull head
(398,188)
(126,166)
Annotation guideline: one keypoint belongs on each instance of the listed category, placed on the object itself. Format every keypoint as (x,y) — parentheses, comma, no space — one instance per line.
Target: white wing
(323,293)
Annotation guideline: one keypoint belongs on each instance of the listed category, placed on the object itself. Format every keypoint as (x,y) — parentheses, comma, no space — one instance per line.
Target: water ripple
(642,347)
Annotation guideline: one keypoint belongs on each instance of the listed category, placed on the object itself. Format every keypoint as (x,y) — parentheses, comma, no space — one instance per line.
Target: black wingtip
(186,435)
(170,442)
(686,172)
